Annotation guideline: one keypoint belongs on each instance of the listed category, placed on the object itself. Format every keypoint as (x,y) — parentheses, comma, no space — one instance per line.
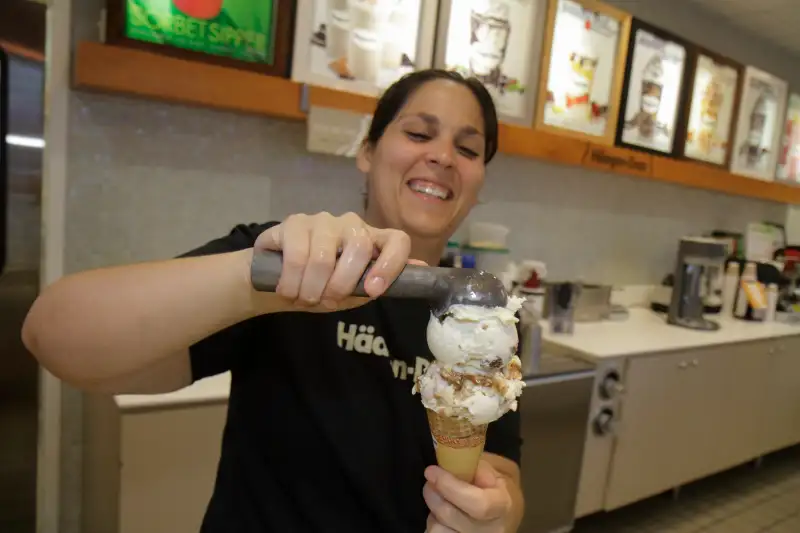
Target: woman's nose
(441,153)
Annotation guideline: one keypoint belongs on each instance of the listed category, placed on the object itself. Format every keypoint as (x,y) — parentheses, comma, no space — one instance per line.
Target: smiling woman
(425,155)
(323,433)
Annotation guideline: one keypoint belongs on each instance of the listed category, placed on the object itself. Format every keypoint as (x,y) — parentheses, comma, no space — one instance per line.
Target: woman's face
(426,171)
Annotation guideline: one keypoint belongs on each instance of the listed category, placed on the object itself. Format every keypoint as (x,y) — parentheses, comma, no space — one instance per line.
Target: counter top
(647,332)
(210,390)
(643,332)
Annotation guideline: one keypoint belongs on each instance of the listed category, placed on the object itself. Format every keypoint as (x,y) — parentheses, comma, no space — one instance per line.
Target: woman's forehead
(447,102)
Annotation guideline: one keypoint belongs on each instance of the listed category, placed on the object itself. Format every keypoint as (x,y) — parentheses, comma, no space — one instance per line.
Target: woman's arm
(96,327)
(129,328)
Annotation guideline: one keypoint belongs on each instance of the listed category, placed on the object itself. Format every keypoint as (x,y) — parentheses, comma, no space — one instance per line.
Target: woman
(323,433)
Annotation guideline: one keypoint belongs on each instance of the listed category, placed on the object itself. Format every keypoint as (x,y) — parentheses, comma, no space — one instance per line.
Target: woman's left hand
(460,507)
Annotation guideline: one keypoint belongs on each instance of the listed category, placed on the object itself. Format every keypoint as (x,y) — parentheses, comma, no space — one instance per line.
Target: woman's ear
(364,157)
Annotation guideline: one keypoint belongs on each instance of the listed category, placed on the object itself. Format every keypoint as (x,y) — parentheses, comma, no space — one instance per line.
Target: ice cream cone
(459,444)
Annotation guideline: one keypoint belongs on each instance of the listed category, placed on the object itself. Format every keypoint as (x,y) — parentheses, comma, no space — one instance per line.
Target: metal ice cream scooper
(442,287)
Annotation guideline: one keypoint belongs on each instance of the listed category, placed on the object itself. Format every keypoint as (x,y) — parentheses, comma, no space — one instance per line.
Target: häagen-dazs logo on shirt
(361,338)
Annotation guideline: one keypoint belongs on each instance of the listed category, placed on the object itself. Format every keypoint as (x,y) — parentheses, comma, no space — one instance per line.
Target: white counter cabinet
(149,470)
(688,414)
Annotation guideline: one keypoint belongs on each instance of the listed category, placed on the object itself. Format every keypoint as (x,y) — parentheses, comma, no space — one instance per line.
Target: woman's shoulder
(240,237)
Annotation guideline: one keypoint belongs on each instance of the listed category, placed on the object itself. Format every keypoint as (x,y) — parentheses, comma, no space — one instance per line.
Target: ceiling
(775,21)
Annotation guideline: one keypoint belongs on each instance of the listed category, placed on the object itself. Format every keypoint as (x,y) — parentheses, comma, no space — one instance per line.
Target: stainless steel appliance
(698,257)
(20,189)
(554,409)
(592,302)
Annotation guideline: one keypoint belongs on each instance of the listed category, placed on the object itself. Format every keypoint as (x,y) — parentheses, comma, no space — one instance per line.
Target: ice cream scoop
(442,287)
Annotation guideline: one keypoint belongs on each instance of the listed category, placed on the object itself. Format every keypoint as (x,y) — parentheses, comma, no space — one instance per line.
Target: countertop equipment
(696,255)
(592,302)
(554,413)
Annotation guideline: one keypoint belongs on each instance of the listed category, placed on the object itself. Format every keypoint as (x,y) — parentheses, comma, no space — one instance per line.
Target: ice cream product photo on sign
(789,156)
(759,126)
(582,68)
(362,46)
(711,112)
(652,93)
(498,42)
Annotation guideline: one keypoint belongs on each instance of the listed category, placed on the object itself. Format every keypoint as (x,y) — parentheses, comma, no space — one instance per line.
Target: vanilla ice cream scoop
(475,336)
(477,375)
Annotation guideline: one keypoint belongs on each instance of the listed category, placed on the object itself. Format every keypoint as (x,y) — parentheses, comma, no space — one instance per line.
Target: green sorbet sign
(239,29)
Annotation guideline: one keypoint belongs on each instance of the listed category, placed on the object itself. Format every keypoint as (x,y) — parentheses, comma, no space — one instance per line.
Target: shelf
(112,69)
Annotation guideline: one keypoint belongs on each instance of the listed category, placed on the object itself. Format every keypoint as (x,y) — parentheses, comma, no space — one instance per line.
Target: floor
(748,499)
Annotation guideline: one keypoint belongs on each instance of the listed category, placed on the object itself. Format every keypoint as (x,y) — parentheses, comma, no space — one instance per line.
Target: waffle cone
(459,444)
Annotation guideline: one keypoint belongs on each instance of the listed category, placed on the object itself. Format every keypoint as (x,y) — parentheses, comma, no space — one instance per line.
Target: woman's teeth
(430,189)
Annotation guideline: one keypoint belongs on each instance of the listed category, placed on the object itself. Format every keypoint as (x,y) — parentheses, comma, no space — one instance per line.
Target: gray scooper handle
(413,282)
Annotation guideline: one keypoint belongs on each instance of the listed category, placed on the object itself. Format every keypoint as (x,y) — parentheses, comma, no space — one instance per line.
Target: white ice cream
(476,375)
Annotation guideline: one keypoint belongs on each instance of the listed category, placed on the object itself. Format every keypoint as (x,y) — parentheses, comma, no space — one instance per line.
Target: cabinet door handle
(695,362)
(683,364)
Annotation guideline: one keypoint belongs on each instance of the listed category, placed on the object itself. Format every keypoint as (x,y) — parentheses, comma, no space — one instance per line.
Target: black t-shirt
(323,433)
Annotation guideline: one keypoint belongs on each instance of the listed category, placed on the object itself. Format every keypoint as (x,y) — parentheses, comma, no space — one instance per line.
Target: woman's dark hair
(400,91)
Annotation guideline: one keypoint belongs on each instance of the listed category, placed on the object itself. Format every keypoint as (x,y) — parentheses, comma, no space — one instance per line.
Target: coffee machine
(698,257)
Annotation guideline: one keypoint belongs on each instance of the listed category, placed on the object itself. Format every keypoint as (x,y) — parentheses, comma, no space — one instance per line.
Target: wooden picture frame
(657,62)
(283,12)
(511,71)
(788,169)
(759,125)
(323,57)
(4,88)
(711,104)
(587,120)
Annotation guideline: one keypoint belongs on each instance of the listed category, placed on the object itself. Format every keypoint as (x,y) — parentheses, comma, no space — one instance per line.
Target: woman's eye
(415,136)
(472,154)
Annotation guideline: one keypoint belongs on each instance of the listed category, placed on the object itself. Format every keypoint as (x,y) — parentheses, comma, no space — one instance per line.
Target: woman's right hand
(314,272)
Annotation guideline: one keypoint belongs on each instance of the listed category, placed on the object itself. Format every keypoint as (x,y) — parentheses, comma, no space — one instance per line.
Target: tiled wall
(149,180)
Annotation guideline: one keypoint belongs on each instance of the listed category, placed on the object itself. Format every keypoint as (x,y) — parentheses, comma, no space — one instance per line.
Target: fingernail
(430,475)
(377,284)
(329,304)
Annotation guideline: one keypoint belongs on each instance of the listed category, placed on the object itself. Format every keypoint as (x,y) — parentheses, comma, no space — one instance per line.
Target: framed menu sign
(789,154)
(583,69)
(499,42)
(714,84)
(652,91)
(250,34)
(759,125)
(362,46)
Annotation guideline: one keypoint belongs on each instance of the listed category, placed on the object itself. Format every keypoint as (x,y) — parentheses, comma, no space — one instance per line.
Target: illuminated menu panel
(789,155)
(496,41)
(583,59)
(239,29)
(711,112)
(655,78)
(361,46)
(759,126)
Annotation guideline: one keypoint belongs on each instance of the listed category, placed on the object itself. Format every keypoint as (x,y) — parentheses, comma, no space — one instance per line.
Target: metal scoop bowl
(441,287)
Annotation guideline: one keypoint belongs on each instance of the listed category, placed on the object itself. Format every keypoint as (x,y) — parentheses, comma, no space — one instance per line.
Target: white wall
(148,180)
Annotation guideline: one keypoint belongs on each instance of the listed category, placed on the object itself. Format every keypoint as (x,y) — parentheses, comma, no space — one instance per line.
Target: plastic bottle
(730,284)
(742,304)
